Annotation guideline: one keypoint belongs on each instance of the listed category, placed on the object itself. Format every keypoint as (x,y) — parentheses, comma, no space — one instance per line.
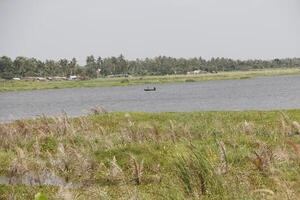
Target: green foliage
(5,160)
(40,196)
(7,70)
(190,80)
(49,144)
(197,174)
(161,65)
(125,81)
(31,67)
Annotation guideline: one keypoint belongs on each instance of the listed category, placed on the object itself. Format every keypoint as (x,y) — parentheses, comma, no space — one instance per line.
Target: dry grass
(146,156)
(223,168)
(137,170)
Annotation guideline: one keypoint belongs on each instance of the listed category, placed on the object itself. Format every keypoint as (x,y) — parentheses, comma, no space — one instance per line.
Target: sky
(239,29)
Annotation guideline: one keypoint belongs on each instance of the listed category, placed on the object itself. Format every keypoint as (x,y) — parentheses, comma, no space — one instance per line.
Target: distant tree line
(161,65)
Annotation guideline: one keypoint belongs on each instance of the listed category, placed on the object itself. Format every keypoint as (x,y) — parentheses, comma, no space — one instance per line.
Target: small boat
(150,89)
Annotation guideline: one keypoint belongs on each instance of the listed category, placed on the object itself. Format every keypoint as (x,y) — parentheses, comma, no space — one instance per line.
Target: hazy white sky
(146,28)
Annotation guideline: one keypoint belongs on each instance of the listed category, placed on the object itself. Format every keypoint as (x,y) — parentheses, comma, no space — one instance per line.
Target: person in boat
(150,89)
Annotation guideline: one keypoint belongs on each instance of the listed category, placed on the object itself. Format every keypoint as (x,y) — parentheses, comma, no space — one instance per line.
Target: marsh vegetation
(198,155)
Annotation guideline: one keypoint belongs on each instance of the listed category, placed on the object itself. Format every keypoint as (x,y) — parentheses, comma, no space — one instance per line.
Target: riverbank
(107,82)
(197,155)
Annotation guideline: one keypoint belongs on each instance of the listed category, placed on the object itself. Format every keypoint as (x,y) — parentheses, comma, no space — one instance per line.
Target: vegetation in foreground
(102,82)
(201,155)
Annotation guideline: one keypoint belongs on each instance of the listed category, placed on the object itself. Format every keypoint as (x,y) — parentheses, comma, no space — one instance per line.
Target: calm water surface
(263,93)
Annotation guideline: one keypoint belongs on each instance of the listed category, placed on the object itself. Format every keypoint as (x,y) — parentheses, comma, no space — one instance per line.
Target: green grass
(196,155)
(105,82)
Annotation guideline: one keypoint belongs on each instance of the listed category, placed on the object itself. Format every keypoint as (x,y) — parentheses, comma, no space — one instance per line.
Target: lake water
(263,93)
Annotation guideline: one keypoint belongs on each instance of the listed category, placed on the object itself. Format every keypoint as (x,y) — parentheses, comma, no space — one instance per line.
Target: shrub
(190,80)
(125,81)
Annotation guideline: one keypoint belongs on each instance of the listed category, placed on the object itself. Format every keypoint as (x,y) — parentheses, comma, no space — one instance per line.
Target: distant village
(77,77)
(199,71)
(54,78)
(64,78)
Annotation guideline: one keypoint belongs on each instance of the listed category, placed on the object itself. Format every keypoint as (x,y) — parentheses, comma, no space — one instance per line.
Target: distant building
(196,72)
(72,77)
(41,79)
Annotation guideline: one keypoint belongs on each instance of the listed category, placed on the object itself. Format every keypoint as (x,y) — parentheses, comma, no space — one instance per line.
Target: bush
(190,80)
(125,81)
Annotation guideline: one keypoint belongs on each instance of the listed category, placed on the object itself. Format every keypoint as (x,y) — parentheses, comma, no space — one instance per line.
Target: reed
(207,155)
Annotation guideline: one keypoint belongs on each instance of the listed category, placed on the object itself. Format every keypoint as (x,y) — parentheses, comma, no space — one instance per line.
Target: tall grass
(207,155)
(198,176)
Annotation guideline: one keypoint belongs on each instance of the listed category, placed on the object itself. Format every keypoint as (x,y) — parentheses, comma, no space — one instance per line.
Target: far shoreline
(22,85)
